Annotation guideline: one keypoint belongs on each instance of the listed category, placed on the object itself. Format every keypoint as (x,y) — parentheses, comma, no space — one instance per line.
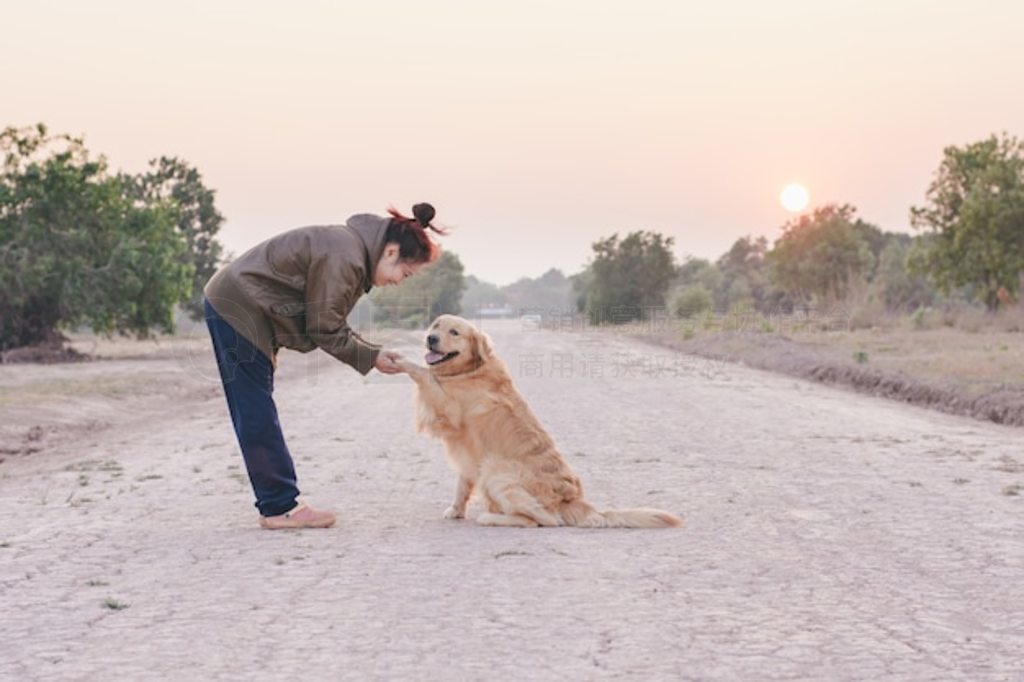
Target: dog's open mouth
(434,358)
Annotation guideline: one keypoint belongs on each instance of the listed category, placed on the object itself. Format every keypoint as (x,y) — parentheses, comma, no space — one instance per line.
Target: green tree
(820,255)
(630,277)
(692,300)
(974,218)
(172,181)
(581,284)
(77,248)
(900,288)
(744,274)
(699,272)
(436,290)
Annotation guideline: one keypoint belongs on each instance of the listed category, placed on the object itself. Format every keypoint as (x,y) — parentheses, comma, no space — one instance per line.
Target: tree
(480,294)
(899,288)
(77,248)
(974,217)
(699,272)
(744,273)
(630,277)
(551,293)
(691,301)
(173,181)
(820,255)
(581,284)
(436,290)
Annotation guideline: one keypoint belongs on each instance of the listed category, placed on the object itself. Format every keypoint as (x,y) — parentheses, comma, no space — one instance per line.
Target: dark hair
(414,244)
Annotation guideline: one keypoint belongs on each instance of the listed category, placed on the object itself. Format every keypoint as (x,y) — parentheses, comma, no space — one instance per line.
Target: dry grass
(961,360)
(123,379)
(971,362)
(96,347)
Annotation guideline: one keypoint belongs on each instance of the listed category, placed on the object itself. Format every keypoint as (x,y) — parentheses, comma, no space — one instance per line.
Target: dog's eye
(454,332)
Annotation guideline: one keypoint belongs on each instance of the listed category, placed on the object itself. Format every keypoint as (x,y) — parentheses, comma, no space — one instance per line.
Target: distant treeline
(969,247)
(81,245)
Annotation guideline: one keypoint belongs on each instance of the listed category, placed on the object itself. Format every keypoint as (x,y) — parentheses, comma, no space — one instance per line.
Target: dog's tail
(638,518)
(623,518)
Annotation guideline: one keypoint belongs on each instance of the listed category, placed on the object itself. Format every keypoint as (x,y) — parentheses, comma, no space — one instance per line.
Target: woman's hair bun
(424,213)
(412,234)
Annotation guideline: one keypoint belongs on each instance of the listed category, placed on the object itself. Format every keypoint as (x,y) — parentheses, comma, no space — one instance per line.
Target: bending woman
(295,291)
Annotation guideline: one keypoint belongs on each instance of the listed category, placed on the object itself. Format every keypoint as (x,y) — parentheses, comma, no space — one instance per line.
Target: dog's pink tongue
(432,357)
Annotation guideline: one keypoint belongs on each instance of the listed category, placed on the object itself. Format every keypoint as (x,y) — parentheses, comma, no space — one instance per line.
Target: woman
(295,291)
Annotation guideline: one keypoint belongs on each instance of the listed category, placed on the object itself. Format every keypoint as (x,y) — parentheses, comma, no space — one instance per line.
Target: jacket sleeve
(332,289)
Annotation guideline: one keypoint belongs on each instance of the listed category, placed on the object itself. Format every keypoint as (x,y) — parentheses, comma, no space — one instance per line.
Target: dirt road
(828,535)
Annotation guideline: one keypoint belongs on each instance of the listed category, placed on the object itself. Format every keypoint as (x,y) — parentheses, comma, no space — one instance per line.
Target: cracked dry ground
(828,536)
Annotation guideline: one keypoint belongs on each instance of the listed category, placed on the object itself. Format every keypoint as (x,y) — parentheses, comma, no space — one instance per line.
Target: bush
(918,317)
(691,301)
(741,317)
(868,314)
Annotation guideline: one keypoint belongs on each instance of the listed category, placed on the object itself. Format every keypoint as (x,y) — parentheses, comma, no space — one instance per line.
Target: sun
(794,198)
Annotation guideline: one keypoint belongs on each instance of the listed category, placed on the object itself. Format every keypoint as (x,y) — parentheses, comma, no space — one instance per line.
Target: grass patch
(114,604)
(84,465)
(45,390)
(943,367)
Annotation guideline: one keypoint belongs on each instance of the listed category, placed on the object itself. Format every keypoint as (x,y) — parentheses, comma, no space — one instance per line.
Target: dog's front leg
(423,378)
(463,489)
(419,374)
(425,381)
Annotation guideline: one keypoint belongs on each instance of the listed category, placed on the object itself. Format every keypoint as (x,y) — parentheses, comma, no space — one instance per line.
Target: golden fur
(495,442)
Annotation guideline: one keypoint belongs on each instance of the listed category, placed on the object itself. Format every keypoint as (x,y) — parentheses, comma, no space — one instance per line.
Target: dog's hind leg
(489,519)
(463,489)
(512,499)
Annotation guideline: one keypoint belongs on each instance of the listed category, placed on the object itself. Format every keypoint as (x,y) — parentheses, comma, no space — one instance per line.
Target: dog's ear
(482,348)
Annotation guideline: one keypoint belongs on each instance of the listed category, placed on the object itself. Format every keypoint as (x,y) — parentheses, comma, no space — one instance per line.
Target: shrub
(692,301)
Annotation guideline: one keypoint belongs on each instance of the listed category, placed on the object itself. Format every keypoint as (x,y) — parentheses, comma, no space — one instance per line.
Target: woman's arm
(332,287)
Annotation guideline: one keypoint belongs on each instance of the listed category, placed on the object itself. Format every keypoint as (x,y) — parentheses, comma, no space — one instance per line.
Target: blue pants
(248,377)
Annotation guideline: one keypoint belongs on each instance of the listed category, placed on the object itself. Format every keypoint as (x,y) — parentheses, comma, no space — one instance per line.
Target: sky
(534,128)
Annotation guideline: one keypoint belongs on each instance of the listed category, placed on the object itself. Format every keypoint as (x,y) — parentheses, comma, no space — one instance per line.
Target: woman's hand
(386,362)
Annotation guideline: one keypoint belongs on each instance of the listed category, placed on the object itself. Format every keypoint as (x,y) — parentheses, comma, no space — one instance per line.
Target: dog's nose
(433,339)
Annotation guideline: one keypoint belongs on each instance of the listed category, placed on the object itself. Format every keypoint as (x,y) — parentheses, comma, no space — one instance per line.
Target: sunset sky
(535,128)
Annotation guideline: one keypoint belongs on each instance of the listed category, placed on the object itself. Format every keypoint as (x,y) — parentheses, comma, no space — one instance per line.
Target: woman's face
(390,270)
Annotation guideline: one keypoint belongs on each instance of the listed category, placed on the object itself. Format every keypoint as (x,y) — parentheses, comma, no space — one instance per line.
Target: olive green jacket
(296,290)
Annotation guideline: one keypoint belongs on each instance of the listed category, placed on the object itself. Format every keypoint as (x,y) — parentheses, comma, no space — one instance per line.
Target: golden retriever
(493,440)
